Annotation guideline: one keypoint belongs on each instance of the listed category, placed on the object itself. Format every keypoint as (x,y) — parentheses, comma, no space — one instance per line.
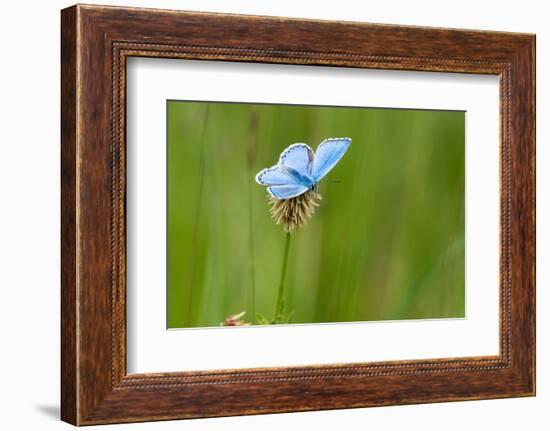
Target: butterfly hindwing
(291,176)
(299,169)
(328,153)
(287,191)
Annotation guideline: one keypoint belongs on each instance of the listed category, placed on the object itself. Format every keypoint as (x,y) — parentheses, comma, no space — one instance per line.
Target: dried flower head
(235,320)
(294,212)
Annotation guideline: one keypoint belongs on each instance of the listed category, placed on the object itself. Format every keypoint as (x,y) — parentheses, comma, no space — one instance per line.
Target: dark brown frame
(95,43)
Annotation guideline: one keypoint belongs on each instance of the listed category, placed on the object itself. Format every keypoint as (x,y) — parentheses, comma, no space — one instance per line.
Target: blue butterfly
(299,169)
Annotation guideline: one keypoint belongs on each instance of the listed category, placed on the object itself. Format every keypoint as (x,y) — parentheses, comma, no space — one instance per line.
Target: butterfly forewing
(298,157)
(299,168)
(282,175)
(292,175)
(275,176)
(328,153)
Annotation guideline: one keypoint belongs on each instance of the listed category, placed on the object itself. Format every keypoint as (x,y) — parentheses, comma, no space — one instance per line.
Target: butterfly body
(300,169)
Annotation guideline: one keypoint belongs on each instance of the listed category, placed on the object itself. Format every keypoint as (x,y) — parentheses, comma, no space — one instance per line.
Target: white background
(29,220)
(151,348)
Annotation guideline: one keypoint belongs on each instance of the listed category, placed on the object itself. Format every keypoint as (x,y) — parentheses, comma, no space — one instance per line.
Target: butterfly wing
(329,152)
(275,176)
(292,175)
(298,157)
(283,182)
(287,191)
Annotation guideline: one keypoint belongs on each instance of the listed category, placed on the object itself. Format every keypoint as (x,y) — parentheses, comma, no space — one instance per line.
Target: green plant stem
(279,310)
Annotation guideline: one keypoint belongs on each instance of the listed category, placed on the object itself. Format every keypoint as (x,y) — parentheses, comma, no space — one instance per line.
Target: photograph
(301,214)
(271,212)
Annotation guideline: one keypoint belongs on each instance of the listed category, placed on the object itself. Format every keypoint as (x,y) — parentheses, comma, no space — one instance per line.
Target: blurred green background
(387,242)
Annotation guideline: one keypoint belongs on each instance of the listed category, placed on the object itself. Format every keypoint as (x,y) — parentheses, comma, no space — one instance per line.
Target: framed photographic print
(329,214)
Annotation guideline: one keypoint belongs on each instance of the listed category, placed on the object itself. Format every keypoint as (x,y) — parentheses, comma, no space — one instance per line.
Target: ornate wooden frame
(95,43)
